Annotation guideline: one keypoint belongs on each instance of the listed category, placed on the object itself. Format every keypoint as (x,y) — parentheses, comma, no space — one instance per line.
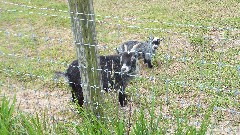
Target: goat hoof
(150,66)
(124,103)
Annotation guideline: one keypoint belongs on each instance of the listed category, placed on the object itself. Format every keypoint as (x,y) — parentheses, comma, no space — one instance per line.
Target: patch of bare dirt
(54,103)
(220,43)
(175,68)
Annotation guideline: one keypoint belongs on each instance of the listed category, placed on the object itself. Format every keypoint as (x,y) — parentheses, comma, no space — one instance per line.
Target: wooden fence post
(83,27)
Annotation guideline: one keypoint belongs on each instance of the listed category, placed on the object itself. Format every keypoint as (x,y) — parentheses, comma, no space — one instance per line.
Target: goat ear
(117,50)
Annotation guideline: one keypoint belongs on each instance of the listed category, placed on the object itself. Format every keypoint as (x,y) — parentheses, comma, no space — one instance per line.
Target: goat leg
(149,62)
(77,95)
(122,96)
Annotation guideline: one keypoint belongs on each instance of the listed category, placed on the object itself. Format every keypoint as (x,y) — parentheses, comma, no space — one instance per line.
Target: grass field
(192,89)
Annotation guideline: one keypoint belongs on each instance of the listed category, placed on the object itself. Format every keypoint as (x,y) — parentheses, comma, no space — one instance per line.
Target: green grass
(13,119)
(192,74)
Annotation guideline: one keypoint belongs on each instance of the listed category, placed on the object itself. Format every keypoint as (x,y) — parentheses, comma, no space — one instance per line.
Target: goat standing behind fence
(116,72)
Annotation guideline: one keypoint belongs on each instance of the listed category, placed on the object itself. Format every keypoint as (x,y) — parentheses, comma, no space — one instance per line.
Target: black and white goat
(145,50)
(116,72)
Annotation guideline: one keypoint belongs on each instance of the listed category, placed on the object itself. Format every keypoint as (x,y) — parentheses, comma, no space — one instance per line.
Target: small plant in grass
(6,115)
(147,123)
(157,61)
(197,42)
(14,123)
(32,125)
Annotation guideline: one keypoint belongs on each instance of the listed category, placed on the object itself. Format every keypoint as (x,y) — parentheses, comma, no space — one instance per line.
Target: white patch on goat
(119,50)
(125,48)
(154,47)
(137,67)
(134,48)
(156,39)
(124,66)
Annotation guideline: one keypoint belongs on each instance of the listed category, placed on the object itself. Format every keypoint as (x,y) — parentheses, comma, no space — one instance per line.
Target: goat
(116,72)
(145,49)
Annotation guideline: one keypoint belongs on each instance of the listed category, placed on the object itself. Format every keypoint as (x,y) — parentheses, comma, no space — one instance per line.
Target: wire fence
(193,66)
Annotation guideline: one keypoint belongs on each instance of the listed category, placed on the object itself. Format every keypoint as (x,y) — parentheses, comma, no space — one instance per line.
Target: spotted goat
(146,50)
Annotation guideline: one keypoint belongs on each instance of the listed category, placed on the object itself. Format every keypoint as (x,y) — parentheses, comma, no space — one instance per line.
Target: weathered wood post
(83,27)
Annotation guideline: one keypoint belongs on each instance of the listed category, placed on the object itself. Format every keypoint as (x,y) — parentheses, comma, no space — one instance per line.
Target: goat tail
(59,74)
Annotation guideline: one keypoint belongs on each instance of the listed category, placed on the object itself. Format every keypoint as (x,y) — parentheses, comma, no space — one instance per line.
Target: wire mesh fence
(195,67)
